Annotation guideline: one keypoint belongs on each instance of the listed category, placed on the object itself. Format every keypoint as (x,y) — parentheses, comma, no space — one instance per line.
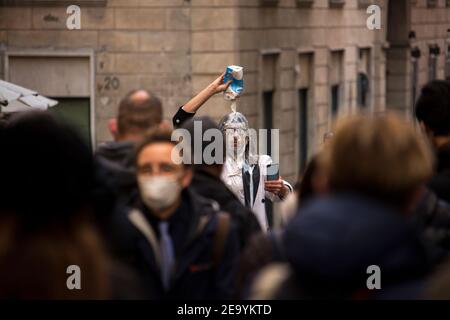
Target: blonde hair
(382,157)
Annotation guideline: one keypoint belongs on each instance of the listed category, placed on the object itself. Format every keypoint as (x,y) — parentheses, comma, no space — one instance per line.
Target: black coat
(196,276)
(180,117)
(213,188)
(440,182)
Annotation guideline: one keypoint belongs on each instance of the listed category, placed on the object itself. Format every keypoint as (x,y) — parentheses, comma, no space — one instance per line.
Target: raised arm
(189,109)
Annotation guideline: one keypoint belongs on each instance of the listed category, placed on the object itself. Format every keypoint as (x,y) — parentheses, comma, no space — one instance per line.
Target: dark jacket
(115,178)
(116,159)
(117,152)
(180,117)
(197,275)
(440,182)
(432,217)
(333,240)
(213,188)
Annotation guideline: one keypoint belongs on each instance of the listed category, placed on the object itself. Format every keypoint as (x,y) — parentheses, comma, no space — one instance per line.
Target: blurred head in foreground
(376,168)
(45,213)
(382,157)
(433,111)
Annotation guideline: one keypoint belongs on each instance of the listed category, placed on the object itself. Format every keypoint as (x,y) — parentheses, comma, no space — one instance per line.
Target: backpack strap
(220,237)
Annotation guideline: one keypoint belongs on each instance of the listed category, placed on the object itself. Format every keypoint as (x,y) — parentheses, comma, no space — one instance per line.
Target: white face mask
(159,192)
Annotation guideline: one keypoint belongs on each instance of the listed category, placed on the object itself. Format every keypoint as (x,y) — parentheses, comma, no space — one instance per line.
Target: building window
(304,81)
(363,78)
(336,3)
(363,90)
(270,76)
(268,124)
(268,3)
(431,3)
(305,3)
(268,117)
(336,81)
(434,52)
(364,4)
(303,126)
(67,80)
(447,55)
(335,100)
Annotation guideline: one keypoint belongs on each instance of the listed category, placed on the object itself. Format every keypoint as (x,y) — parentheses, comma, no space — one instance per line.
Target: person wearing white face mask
(181,245)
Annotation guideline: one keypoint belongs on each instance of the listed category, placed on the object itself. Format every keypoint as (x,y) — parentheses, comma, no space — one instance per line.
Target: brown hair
(154,135)
(383,157)
(137,116)
(159,135)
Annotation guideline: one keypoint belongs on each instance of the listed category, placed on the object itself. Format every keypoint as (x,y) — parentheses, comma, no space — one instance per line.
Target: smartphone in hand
(273,172)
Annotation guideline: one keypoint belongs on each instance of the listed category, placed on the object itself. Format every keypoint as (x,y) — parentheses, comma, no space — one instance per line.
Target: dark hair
(48,164)
(433,107)
(155,135)
(137,116)
(207,123)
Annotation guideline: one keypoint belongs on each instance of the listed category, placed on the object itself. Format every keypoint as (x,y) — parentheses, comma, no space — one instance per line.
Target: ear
(112,126)
(187,177)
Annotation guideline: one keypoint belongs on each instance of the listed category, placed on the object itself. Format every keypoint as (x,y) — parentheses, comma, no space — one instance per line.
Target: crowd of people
(142,224)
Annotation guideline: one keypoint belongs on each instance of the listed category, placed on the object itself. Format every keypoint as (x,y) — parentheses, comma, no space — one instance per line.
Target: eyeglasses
(158,169)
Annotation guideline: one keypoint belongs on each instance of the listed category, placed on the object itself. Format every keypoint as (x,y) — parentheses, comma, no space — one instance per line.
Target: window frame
(62,54)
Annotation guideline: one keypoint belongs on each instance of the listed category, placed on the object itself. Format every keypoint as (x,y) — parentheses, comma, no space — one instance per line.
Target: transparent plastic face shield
(238,138)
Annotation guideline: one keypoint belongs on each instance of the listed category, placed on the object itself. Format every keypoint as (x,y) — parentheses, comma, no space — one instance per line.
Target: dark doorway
(75,112)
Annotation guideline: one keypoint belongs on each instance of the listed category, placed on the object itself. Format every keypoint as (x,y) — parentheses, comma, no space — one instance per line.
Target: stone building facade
(306,61)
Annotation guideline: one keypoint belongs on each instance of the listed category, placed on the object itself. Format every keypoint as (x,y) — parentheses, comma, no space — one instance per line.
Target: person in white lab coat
(245,172)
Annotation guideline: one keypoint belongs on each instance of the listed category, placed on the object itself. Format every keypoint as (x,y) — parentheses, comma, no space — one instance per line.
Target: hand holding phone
(273,172)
